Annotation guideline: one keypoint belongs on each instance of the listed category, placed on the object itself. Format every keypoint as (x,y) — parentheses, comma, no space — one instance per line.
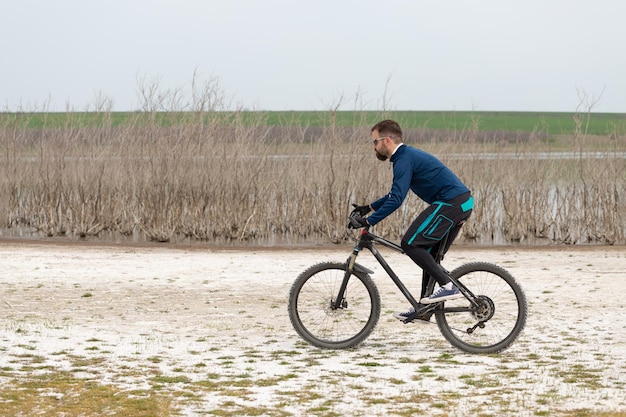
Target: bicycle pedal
(419,316)
(425,320)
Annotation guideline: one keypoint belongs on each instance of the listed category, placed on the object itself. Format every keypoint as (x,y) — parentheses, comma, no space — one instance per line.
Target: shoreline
(247,247)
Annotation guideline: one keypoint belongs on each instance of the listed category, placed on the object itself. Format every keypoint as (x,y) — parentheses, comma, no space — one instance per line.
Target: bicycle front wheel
(328,323)
(501,315)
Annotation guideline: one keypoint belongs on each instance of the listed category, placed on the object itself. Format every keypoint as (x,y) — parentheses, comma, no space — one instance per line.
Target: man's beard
(380,156)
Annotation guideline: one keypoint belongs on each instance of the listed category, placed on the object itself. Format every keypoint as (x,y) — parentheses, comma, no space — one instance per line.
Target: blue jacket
(420,172)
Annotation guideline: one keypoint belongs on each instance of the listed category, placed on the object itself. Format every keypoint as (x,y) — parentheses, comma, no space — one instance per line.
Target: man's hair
(388,128)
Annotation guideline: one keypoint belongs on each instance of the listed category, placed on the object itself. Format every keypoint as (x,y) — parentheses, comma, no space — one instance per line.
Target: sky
(448,55)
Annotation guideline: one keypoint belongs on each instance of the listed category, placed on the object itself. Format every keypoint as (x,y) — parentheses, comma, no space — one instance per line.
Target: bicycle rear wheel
(501,316)
(325,323)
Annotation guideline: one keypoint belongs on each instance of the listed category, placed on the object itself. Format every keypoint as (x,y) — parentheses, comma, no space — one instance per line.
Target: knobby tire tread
(338,268)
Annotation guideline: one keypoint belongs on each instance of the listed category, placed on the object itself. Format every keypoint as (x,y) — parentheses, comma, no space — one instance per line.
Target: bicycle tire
(504,311)
(312,317)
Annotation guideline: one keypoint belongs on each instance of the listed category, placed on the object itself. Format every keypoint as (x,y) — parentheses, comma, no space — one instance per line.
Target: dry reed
(224,180)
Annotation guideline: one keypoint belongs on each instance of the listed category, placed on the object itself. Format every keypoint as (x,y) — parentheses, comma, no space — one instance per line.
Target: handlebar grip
(354,223)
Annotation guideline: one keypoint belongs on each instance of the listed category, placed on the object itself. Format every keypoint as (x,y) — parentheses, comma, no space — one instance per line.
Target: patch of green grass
(61,394)
(267,382)
(83,362)
(231,409)
(369,364)
(161,379)
(27,347)
(447,358)
(480,381)
(411,360)
(28,359)
(396,381)
(580,375)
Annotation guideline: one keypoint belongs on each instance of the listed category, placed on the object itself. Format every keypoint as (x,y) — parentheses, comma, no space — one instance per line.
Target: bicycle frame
(368,240)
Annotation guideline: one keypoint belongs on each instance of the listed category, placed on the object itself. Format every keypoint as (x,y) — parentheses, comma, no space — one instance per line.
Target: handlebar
(353,223)
(367,236)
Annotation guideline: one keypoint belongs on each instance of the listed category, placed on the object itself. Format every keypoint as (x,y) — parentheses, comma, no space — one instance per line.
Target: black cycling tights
(424,257)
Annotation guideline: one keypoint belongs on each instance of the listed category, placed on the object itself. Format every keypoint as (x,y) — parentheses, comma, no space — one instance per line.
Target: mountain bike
(336,305)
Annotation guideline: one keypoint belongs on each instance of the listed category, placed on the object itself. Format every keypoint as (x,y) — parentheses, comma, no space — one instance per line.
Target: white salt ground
(197,314)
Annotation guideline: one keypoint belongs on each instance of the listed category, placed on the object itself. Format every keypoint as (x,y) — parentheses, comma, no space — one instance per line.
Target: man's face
(381,145)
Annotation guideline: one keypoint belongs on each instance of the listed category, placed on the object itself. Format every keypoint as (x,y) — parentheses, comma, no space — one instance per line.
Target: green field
(602,124)
(550,123)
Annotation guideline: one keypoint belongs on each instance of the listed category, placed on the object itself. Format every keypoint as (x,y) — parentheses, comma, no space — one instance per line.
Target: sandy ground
(199,314)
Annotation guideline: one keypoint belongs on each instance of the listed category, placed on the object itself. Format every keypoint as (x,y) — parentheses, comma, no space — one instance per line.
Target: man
(450,205)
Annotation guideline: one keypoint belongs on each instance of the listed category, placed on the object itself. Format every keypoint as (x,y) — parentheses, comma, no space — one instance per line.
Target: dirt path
(212,324)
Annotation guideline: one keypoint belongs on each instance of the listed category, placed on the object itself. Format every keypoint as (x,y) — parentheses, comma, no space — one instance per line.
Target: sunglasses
(384,137)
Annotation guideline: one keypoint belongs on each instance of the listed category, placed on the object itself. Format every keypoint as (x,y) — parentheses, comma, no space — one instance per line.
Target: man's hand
(356,222)
(361,210)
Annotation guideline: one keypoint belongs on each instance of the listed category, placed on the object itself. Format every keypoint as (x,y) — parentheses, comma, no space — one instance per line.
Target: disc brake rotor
(486,308)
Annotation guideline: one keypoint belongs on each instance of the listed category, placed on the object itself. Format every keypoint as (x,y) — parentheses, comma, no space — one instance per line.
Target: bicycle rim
(500,318)
(310,307)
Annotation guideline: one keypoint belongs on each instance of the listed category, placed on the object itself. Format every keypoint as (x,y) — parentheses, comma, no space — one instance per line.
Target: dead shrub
(219,177)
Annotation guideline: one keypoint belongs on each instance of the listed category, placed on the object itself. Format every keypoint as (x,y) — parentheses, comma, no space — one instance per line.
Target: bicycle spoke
(326,322)
(499,318)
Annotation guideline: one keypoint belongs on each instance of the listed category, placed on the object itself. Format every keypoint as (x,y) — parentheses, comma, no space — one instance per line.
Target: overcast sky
(484,55)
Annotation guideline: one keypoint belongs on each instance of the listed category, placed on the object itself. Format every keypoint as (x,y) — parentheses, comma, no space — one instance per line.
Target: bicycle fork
(340,301)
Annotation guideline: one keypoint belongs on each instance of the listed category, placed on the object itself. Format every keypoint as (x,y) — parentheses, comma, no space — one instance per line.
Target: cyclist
(450,205)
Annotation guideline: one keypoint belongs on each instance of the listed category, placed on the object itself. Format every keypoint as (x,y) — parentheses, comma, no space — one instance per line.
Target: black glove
(356,222)
(361,210)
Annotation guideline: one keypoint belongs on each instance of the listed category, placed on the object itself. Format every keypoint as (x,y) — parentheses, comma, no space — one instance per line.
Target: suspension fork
(339,301)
